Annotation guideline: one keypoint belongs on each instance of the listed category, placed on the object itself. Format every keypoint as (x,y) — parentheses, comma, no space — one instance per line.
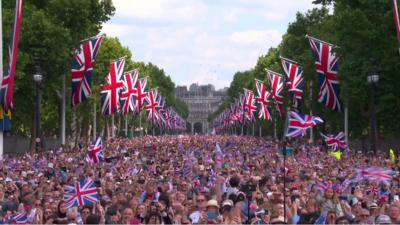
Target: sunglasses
(201,200)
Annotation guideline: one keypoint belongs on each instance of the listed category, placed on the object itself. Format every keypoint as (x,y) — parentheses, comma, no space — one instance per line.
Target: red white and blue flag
(82,69)
(263,101)
(20,218)
(141,94)
(326,63)
(95,152)
(7,84)
(298,123)
(127,96)
(276,83)
(249,106)
(111,91)
(375,174)
(396,21)
(82,193)
(152,105)
(295,80)
(335,142)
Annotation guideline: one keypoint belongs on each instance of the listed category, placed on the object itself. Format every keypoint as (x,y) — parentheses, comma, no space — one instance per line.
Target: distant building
(201,101)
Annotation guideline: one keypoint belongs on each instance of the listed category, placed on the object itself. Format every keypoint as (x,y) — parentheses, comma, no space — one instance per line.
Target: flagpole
(1,75)
(63,112)
(260,129)
(140,123)
(253,129)
(311,129)
(275,135)
(112,127)
(126,126)
(346,124)
(94,120)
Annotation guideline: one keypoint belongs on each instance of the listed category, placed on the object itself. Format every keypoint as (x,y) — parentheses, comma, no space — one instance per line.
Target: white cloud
(202,41)
(256,37)
(116,30)
(167,10)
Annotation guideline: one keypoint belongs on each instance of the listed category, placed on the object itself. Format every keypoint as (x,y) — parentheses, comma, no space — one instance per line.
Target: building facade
(201,101)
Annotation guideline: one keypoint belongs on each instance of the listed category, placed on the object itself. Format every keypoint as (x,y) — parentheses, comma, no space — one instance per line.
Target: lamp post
(37,77)
(373,79)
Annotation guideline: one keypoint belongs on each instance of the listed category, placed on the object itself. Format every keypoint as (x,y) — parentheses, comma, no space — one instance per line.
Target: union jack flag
(20,218)
(375,174)
(152,105)
(263,100)
(335,142)
(396,21)
(141,93)
(323,186)
(95,153)
(295,80)
(83,193)
(326,63)
(161,111)
(7,84)
(249,106)
(110,93)
(276,83)
(300,123)
(128,100)
(82,69)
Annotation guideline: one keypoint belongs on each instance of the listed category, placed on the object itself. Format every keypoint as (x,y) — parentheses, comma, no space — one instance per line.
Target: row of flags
(243,109)
(123,92)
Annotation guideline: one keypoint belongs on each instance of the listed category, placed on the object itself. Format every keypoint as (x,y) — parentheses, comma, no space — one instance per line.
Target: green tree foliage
(51,30)
(364,33)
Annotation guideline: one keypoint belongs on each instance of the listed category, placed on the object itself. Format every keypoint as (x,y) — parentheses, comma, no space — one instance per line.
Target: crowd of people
(203,180)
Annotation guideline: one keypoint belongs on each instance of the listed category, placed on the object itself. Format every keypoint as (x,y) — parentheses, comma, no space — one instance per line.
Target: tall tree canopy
(364,34)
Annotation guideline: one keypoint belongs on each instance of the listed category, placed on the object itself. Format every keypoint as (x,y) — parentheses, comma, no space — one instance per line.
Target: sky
(202,41)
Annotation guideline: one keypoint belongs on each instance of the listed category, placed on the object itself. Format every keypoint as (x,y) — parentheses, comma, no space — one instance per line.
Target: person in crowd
(214,179)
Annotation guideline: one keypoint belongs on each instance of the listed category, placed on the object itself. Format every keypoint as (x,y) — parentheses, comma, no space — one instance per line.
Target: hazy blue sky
(202,41)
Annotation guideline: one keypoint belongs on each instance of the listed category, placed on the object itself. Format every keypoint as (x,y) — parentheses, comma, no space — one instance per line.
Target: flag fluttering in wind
(82,69)
(95,153)
(263,101)
(276,84)
(300,123)
(326,63)
(396,21)
(127,96)
(249,106)
(7,84)
(335,142)
(111,91)
(295,80)
(82,193)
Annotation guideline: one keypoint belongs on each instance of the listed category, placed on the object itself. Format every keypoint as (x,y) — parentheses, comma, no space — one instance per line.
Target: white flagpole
(346,124)
(311,129)
(126,125)
(94,120)
(112,127)
(1,74)
(63,113)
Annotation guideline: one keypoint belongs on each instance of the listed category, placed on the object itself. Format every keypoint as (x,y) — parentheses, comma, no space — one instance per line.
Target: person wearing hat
(383,219)
(211,216)
(374,211)
(230,212)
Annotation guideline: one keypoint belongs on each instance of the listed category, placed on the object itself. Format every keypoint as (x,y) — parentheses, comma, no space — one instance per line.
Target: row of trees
(364,32)
(51,29)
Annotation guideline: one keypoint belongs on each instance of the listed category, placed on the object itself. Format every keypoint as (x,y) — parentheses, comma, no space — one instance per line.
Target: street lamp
(37,77)
(373,79)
